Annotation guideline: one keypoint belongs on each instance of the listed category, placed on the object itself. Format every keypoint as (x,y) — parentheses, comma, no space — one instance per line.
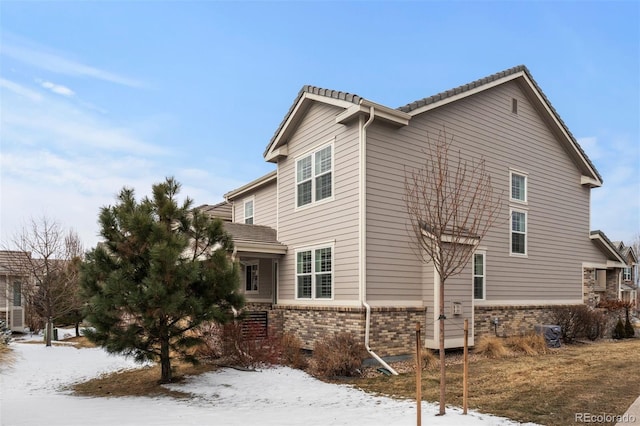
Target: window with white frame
(17,293)
(518,186)
(314,273)
(518,232)
(626,274)
(479,275)
(314,177)
(248,211)
(251,277)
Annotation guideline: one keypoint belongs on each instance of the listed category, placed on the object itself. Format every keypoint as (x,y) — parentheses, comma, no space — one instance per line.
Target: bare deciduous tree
(451,205)
(51,258)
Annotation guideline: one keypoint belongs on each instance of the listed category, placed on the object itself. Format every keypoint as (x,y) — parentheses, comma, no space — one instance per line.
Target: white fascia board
(614,264)
(276,154)
(464,94)
(263,180)
(394,116)
(257,247)
(590,182)
(448,238)
(302,102)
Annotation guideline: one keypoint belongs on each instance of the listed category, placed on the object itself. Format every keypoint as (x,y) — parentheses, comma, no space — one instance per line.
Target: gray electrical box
(551,333)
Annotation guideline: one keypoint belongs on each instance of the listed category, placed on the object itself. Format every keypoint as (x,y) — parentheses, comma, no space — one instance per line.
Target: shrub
(292,354)
(338,355)
(247,346)
(618,331)
(578,321)
(628,329)
(429,358)
(529,344)
(210,333)
(492,347)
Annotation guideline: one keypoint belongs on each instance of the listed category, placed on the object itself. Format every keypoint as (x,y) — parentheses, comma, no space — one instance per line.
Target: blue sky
(98,95)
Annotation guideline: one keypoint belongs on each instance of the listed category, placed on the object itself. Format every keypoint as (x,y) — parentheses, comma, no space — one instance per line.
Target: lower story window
(251,278)
(518,232)
(17,293)
(314,273)
(479,275)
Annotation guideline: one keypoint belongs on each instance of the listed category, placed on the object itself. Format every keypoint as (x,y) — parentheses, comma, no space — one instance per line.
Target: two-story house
(324,243)
(13,278)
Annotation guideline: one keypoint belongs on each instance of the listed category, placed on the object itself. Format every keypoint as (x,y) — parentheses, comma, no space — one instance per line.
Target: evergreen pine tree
(162,270)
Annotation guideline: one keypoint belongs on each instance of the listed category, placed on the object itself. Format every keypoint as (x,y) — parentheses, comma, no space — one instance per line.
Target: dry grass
(492,347)
(547,389)
(139,382)
(6,355)
(528,344)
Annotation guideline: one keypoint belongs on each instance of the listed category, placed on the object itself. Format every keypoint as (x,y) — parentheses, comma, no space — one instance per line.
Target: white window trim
(244,266)
(526,186)
(313,249)
(312,153)
(484,275)
(246,201)
(526,232)
(624,273)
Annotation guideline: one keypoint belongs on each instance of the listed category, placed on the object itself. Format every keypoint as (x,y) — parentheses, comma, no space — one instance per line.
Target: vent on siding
(514,105)
(255,325)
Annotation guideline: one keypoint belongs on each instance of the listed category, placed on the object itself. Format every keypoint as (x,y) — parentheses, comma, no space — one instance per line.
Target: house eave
(255,184)
(302,105)
(389,115)
(590,182)
(259,247)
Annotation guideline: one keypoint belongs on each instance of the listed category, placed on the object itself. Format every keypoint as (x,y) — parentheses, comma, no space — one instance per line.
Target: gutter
(363,239)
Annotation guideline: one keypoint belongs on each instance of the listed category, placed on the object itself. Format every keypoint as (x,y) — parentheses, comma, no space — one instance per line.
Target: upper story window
(479,275)
(248,211)
(314,177)
(314,273)
(518,232)
(626,274)
(518,186)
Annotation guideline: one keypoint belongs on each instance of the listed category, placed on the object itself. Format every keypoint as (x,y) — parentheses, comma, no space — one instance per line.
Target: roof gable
(354,104)
(607,247)
(524,78)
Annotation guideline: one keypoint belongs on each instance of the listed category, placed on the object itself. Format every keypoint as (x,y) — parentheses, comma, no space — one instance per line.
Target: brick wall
(512,320)
(392,329)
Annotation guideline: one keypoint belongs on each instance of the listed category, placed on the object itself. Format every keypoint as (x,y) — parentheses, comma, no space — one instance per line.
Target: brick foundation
(512,320)
(393,329)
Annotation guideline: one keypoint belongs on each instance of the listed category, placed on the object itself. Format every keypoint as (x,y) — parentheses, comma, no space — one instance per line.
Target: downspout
(363,239)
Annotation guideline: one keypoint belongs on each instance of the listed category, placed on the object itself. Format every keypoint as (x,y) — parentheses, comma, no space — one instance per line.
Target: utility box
(551,333)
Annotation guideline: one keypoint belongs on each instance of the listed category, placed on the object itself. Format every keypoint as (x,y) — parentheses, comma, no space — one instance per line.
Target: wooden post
(465,373)
(418,375)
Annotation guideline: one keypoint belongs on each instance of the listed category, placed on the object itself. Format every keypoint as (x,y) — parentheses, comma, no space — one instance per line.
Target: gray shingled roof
(435,98)
(493,77)
(335,94)
(611,244)
(221,210)
(253,233)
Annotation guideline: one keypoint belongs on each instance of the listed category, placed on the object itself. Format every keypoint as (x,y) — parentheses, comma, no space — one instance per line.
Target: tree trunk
(77,329)
(165,361)
(49,334)
(441,348)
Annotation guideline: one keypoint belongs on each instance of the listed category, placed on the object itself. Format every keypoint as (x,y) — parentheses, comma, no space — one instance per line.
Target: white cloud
(19,90)
(42,57)
(56,88)
(615,207)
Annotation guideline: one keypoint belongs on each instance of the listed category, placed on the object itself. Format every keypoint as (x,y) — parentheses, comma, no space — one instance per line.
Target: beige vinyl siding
(557,208)
(325,222)
(264,206)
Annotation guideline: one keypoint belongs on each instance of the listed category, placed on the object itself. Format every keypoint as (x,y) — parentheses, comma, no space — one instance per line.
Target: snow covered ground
(32,393)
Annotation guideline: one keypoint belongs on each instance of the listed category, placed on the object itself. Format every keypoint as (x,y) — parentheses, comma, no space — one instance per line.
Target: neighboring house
(630,279)
(323,239)
(13,278)
(605,279)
